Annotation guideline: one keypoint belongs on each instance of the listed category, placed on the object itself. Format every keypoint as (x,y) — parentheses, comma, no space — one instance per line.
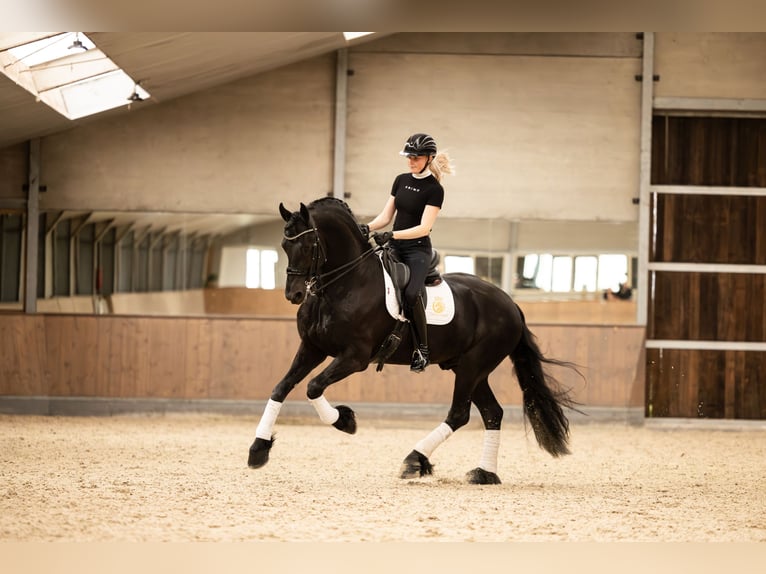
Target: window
(585,273)
(489,268)
(571,273)
(458,264)
(261,268)
(11,248)
(70,74)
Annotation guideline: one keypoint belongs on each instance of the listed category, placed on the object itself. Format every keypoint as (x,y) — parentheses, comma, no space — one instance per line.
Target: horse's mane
(331,203)
(337,213)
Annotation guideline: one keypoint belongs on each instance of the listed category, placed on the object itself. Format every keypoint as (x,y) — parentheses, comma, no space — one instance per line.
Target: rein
(315,282)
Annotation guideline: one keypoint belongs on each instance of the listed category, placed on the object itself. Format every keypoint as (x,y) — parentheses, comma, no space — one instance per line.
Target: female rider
(414,204)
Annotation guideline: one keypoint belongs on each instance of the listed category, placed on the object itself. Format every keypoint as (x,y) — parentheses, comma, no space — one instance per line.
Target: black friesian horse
(337,280)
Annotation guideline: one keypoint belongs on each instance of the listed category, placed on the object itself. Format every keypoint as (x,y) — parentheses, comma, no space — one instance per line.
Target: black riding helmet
(420,144)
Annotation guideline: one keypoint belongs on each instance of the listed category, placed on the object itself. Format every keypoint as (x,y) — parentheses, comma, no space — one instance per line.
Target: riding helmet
(419,144)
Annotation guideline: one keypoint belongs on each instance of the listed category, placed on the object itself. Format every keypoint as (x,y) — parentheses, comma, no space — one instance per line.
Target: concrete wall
(711,65)
(543,129)
(532,131)
(534,122)
(240,147)
(13,171)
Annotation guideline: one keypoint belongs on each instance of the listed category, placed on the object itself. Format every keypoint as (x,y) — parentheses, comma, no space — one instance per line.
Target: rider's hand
(383,238)
(364,230)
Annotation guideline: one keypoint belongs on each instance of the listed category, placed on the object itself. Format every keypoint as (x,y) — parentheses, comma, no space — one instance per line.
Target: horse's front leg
(341,417)
(305,360)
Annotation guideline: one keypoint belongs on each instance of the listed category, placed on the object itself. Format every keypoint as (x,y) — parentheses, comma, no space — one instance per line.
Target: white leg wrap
(328,414)
(269,417)
(434,439)
(489,452)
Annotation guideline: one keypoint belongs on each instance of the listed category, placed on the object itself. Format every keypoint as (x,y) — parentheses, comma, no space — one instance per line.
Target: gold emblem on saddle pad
(438,305)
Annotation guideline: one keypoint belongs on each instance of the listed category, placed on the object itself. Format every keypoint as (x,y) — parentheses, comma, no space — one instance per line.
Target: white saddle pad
(440,303)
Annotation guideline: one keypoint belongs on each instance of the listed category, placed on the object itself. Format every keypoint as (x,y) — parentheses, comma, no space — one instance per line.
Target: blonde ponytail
(441,165)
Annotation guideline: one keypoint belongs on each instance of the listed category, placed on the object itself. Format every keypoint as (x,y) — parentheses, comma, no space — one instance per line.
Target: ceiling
(168,65)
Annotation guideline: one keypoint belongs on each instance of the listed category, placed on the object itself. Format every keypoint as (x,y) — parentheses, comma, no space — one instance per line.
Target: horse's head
(301,244)
(318,239)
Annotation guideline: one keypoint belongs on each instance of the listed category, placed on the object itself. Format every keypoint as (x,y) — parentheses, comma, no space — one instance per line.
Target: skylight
(354,35)
(71,75)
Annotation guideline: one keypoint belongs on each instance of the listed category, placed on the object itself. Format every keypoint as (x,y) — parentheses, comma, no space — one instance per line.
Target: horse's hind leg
(492,415)
(417,463)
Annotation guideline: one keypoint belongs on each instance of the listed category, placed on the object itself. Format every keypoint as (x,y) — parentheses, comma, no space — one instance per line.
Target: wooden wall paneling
(275,342)
(705,396)
(688,150)
(105,359)
(709,306)
(167,365)
(253,347)
(664,390)
(759,247)
(735,361)
(122,356)
(85,378)
(698,228)
(140,355)
(62,343)
(22,356)
(198,359)
(144,357)
(33,370)
(750,394)
(705,384)
(238,359)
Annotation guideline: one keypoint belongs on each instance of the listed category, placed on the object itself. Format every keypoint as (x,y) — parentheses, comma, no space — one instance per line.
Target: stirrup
(419,359)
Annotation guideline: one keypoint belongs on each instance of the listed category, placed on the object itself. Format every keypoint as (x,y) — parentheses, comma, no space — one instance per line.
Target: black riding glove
(365,230)
(383,238)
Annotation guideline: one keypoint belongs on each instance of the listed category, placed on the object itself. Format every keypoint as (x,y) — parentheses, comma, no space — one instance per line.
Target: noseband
(315,280)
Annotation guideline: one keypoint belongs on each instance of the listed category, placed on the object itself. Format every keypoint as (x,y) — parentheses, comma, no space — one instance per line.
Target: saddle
(400,276)
(400,272)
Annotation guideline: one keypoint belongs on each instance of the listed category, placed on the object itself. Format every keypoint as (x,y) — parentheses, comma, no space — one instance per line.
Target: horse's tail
(543,396)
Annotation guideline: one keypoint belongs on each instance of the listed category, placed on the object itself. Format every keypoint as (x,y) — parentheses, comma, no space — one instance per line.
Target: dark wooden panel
(709,151)
(710,229)
(706,384)
(708,306)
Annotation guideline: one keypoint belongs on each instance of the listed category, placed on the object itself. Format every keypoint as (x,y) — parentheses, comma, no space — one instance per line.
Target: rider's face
(416,162)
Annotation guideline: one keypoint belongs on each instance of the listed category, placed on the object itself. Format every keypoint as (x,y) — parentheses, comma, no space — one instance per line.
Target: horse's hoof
(416,465)
(481,476)
(259,452)
(346,421)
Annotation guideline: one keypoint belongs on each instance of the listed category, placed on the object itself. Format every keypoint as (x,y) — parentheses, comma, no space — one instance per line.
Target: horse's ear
(286,215)
(305,213)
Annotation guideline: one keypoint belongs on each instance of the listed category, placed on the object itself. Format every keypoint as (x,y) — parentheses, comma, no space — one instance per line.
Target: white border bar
(708,190)
(645,176)
(705,345)
(710,104)
(707,268)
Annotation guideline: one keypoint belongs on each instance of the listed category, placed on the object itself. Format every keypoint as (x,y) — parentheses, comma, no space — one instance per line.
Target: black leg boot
(420,354)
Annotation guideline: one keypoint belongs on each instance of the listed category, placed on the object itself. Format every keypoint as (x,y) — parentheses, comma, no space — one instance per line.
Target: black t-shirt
(412,195)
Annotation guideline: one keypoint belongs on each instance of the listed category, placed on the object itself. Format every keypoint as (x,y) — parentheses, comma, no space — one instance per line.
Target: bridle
(315,281)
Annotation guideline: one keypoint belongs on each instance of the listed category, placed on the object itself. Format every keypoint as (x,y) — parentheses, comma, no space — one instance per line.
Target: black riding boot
(420,354)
